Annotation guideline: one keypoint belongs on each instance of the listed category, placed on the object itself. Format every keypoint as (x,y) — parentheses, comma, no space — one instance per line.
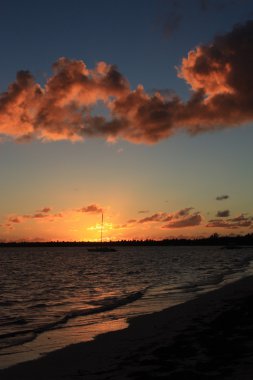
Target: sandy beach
(207,338)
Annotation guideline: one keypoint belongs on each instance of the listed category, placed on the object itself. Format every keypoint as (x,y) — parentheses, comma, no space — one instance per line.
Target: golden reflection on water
(56,339)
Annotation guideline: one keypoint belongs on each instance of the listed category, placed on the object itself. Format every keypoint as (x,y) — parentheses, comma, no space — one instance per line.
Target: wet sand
(207,338)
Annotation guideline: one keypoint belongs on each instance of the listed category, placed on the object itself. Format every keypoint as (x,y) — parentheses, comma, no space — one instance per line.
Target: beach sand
(210,337)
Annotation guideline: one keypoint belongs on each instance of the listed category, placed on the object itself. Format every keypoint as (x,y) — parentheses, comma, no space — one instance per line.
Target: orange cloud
(219,75)
(14,219)
(43,214)
(46,215)
(60,110)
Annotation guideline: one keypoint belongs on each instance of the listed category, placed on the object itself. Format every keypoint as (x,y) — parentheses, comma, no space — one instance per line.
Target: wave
(112,304)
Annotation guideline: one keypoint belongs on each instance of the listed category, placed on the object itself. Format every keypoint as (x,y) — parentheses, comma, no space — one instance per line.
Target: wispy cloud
(187,221)
(43,214)
(158,217)
(130,221)
(222,197)
(232,223)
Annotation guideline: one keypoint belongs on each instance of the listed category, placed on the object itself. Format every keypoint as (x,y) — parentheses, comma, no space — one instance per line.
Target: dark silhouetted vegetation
(213,240)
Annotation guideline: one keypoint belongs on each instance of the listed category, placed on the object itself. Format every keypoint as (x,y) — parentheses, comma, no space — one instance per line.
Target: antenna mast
(102,228)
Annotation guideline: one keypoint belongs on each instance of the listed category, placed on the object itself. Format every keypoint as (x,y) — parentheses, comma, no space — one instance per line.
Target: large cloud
(219,75)
(60,110)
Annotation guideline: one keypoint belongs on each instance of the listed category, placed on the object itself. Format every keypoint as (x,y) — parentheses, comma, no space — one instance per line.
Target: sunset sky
(140,109)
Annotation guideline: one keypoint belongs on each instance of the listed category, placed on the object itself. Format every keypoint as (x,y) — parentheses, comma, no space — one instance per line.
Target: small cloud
(131,221)
(45,209)
(14,219)
(39,215)
(158,217)
(178,214)
(93,208)
(143,211)
(223,214)
(222,197)
(184,211)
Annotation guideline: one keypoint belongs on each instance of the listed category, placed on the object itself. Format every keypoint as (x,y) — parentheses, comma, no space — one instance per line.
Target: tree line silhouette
(213,240)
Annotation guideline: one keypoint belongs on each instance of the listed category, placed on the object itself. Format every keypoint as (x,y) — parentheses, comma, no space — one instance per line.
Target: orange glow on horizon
(82,224)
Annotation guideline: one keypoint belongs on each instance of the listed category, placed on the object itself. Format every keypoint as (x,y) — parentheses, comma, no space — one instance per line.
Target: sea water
(53,297)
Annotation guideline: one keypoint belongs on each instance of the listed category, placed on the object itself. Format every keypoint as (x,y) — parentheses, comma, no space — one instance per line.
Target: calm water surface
(53,297)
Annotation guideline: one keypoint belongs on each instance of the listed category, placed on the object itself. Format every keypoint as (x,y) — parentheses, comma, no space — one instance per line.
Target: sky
(142,110)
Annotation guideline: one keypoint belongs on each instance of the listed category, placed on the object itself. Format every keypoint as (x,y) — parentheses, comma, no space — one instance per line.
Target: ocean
(53,297)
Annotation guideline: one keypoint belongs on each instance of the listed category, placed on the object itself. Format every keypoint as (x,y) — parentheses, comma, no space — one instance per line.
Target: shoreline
(209,337)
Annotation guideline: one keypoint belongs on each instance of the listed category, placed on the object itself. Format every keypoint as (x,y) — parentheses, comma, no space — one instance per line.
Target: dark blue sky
(144,38)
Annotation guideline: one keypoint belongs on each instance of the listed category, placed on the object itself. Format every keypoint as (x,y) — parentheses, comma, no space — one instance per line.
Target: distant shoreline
(229,242)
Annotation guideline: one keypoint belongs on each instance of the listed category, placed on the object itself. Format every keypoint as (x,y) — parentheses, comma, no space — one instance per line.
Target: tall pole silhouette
(102,222)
